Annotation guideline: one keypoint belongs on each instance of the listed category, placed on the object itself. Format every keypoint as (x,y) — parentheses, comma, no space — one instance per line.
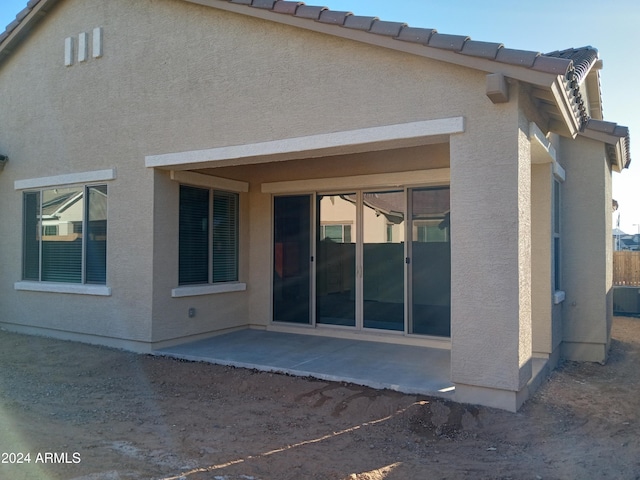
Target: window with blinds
(65,235)
(208,236)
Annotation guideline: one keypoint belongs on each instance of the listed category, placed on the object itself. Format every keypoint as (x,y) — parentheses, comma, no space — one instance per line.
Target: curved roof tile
(561,62)
(288,7)
(306,11)
(416,35)
(481,49)
(334,17)
(448,42)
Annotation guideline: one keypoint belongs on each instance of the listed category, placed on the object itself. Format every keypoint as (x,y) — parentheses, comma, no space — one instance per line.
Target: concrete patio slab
(407,369)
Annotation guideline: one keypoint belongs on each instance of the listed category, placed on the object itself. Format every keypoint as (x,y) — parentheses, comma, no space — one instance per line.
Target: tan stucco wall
(176,76)
(491,264)
(587,251)
(542,257)
(56,121)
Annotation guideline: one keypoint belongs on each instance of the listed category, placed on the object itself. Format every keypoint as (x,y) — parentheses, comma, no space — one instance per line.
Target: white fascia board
(312,146)
(563,103)
(68,179)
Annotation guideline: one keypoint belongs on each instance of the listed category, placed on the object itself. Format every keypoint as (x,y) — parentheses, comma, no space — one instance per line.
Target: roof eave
(32,16)
(616,139)
(555,80)
(539,78)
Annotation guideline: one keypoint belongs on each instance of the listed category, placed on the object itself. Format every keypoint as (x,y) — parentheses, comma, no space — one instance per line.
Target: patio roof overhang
(313,146)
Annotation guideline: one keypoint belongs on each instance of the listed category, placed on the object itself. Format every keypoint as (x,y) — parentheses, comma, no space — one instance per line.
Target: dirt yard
(93,413)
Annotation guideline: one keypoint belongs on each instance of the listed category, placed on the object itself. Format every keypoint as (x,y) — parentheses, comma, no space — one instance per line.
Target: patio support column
(587,256)
(491,259)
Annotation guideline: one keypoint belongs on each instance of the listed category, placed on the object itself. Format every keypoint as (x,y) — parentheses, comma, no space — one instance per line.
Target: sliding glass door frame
(358,236)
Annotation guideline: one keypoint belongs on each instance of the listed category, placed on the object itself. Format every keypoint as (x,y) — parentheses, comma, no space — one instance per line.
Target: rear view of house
(180,169)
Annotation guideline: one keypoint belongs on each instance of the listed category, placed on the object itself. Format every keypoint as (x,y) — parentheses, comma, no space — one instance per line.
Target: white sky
(613,27)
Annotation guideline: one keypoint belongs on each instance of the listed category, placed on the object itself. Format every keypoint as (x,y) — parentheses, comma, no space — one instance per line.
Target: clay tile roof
(448,42)
(481,49)
(390,29)
(267,4)
(581,58)
(579,61)
(358,22)
(286,7)
(334,17)
(523,58)
(416,35)
(313,13)
(572,64)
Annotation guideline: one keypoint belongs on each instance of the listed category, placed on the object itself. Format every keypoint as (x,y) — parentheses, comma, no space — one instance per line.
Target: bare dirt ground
(90,413)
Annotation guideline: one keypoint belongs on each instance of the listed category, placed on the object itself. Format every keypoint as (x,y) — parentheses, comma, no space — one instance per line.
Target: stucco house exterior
(184,168)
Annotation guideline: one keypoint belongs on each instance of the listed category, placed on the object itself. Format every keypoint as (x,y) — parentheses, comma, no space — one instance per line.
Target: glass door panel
(430,262)
(383,218)
(336,259)
(292,257)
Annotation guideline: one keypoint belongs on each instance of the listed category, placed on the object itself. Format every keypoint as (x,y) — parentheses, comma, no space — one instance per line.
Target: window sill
(558,297)
(98,290)
(195,290)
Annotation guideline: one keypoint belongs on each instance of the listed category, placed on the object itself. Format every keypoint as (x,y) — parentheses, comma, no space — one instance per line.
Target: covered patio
(403,368)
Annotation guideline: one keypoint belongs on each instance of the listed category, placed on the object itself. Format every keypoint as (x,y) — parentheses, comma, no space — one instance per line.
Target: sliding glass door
(383,259)
(430,263)
(380,260)
(336,259)
(292,257)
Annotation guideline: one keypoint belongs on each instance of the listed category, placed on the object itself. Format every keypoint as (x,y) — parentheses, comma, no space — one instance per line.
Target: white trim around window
(68,179)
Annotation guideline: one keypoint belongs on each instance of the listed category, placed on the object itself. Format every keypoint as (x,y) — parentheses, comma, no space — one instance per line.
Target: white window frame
(558,179)
(66,180)
(221,184)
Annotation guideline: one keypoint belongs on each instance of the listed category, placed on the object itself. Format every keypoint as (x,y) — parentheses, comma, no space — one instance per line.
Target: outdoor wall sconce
(3,160)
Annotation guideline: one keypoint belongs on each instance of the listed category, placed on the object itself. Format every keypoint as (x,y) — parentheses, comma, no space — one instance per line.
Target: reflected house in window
(466,210)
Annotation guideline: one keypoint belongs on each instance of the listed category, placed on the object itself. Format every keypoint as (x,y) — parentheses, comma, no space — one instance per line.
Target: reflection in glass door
(336,259)
(383,260)
(383,217)
(430,267)
(292,256)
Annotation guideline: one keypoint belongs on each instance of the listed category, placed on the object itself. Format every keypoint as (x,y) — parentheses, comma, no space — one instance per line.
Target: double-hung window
(208,236)
(65,234)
